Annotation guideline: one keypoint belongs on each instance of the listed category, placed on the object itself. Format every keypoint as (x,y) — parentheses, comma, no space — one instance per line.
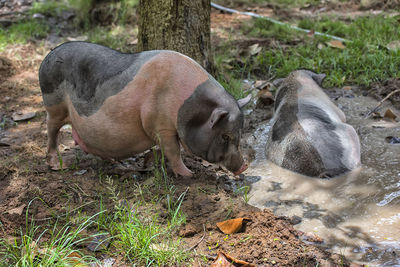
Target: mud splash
(357,214)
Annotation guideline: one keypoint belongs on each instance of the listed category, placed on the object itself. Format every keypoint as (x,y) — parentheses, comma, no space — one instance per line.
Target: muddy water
(358,214)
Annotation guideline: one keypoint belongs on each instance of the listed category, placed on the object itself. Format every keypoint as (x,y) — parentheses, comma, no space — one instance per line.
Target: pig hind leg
(56,118)
(170,145)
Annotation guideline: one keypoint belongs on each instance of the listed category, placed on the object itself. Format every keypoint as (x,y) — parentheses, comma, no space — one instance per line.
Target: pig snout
(235,163)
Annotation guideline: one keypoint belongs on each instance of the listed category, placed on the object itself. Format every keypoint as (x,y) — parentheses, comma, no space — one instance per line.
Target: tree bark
(180,25)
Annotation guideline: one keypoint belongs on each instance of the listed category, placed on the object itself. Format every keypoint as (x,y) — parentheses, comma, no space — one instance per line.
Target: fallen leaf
(76,259)
(133,41)
(231,226)
(311,32)
(21,116)
(221,261)
(347,88)
(336,44)
(320,46)
(261,84)
(17,210)
(394,45)
(254,49)
(389,114)
(225,260)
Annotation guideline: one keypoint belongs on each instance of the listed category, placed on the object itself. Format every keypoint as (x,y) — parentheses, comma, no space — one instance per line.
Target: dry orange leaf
(225,260)
(336,44)
(231,226)
(221,261)
(75,259)
(389,114)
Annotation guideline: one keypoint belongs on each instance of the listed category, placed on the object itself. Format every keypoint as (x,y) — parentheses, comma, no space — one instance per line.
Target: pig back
(88,73)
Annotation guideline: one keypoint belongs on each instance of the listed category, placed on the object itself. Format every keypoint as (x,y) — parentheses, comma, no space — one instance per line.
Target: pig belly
(110,135)
(110,140)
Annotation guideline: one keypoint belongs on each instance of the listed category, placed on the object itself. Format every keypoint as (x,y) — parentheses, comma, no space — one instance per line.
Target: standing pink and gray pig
(122,104)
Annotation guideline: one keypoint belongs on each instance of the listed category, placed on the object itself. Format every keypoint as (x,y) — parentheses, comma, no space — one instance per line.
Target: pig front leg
(170,145)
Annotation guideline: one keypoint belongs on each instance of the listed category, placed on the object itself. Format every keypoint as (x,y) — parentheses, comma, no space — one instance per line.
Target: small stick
(201,239)
(381,102)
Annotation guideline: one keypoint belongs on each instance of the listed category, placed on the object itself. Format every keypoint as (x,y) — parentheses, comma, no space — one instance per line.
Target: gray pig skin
(309,133)
(122,104)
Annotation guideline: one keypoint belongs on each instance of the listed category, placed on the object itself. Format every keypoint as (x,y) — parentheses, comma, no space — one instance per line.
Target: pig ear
(318,78)
(216,116)
(244,101)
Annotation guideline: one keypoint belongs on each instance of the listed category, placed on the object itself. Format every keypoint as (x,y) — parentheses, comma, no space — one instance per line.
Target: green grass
(142,238)
(47,245)
(136,229)
(48,8)
(363,61)
(115,37)
(20,32)
(128,215)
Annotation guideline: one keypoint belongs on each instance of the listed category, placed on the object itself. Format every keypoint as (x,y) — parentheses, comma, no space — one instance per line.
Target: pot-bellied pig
(122,104)
(309,134)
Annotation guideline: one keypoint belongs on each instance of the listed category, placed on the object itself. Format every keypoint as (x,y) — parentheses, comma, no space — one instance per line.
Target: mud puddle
(357,215)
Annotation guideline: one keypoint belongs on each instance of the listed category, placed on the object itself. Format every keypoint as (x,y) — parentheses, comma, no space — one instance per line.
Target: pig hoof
(55,163)
(183,172)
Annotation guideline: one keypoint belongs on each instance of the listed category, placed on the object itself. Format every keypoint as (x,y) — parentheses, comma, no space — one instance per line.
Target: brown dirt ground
(266,240)
(381,90)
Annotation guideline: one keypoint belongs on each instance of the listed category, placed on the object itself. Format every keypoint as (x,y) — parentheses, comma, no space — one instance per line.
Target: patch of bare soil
(26,182)
(6,68)
(381,90)
(267,240)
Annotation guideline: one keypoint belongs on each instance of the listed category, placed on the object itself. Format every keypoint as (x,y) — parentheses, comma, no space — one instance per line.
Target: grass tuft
(54,246)
(22,31)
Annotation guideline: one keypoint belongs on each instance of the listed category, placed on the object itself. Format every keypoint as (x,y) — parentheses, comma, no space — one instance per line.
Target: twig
(381,102)
(230,10)
(201,239)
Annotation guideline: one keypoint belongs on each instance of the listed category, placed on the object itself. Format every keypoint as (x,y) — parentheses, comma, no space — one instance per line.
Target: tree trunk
(180,25)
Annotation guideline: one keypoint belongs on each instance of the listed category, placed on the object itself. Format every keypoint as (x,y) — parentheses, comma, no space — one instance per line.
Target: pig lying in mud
(309,134)
(123,104)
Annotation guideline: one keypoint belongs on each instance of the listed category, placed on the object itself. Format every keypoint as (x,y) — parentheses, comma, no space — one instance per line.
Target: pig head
(210,123)
(309,133)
